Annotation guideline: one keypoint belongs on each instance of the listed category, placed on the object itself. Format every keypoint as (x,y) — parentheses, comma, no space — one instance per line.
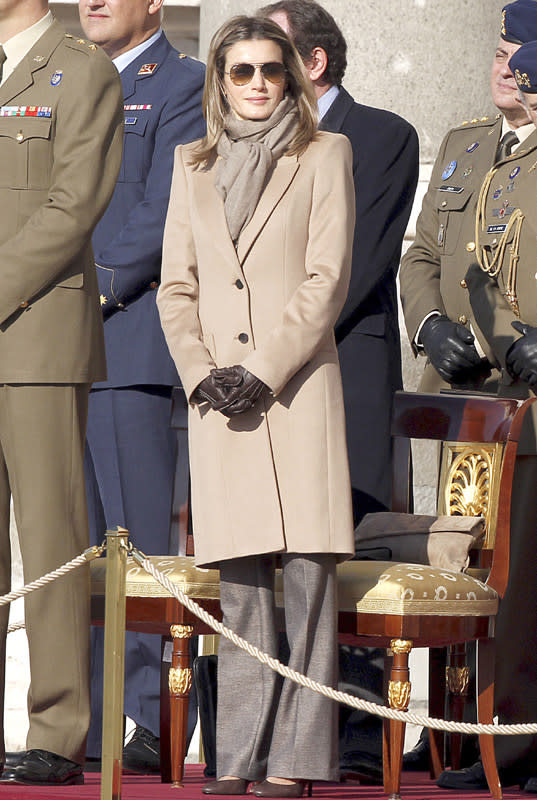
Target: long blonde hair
(215,105)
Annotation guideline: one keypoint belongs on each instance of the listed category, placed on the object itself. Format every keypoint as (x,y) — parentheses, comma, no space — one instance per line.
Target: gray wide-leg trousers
(267,725)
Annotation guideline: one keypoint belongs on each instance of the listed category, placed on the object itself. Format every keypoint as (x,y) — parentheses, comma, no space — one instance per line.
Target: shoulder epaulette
(476,121)
(84,45)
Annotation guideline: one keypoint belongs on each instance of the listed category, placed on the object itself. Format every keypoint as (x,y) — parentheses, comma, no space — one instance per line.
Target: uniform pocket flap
(135,124)
(450,200)
(23,128)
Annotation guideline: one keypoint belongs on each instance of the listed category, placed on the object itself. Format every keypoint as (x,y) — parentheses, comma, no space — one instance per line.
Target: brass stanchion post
(114,663)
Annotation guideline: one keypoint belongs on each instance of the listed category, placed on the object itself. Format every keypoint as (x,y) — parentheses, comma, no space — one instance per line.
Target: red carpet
(415,786)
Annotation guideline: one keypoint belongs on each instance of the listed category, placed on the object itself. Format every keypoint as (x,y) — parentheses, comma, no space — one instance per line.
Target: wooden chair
(402,606)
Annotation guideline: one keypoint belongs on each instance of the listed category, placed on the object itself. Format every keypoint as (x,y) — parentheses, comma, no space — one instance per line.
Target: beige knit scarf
(248,149)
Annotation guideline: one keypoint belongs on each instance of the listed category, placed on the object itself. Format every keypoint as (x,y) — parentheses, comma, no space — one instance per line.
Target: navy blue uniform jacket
(128,240)
(386,165)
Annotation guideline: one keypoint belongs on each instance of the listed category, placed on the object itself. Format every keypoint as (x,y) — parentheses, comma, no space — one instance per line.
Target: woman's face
(259,96)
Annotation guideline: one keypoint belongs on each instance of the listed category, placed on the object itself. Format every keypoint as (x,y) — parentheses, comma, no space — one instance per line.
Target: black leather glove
(450,348)
(241,386)
(209,391)
(521,358)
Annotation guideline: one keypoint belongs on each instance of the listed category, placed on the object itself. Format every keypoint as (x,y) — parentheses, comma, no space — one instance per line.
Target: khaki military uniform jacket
(61,122)
(507,241)
(433,271)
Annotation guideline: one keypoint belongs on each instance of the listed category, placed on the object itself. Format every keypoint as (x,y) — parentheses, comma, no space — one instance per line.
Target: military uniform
(433,271)
(507,291)
(436,274)
(61,128)
(131,449)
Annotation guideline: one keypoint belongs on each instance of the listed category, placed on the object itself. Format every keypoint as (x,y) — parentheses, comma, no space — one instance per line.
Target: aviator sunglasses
(241,74)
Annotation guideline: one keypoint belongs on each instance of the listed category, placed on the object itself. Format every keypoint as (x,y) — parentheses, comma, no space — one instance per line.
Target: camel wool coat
(274,478)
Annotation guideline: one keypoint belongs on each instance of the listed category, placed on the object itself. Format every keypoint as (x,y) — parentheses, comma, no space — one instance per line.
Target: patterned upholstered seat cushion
(385,587)
(191,580)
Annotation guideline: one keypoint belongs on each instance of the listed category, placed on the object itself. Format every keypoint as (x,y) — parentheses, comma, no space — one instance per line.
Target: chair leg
(485,712)
(394,736)
(457,674)
(437,669)
(180,684)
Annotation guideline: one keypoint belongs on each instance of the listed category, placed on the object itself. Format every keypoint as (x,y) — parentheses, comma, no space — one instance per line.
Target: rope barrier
(327,691)
(342,697)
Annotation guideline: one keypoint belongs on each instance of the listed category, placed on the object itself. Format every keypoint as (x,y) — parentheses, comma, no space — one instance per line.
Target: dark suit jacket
(162,92)
(386,165)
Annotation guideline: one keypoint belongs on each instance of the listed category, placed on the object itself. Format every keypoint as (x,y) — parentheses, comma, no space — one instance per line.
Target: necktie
(2,59)
(507,142)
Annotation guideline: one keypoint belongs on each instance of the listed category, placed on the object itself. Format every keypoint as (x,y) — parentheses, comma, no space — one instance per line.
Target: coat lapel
(334,118)
(284,172)
(213,210)
(37,58)
(153,55)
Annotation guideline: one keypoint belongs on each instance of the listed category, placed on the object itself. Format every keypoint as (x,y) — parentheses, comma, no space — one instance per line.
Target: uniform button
(243,338)
(20,136)
(470,247)
(239,284)
(444,203)
(464,284)
(462,319)
(153,285)
(24,304)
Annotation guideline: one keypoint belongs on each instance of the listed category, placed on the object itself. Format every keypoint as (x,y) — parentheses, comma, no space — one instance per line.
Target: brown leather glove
(242,387)
(209,391)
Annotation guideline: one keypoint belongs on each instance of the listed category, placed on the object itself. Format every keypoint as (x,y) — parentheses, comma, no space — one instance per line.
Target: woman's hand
(209,391)
(241,386)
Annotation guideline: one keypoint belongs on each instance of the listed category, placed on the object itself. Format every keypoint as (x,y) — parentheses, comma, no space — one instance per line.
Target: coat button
(239,284)
(153,285)
(470,247)
(24,304)
(243,338)
(464,284)
(462,319)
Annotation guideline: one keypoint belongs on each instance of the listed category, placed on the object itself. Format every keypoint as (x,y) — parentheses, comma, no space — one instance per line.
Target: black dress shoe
(12,758)
(473,778)
(417,759)
(362,767)
(142,753)
(41,768)
(531,785)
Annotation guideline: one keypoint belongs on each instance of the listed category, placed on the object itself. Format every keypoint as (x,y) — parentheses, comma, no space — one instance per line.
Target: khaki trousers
(42,432)
(266,725)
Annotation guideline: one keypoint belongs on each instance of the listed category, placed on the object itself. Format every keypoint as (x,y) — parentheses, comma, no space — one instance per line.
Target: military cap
(523,65)
(519,21)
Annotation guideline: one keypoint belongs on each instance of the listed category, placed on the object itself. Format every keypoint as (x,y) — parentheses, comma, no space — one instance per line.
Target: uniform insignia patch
(138,108)
(449,170)
(38,59)
(103,300)
(147,69)
(472,147)
(514,172)
(25,111)
(498,192)
(56,77)
(496,228)
(468,171)
(451,189)
(504,211)
(131,120)
(510,187)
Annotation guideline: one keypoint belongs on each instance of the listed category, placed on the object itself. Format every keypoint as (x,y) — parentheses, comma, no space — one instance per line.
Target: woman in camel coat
(249,296)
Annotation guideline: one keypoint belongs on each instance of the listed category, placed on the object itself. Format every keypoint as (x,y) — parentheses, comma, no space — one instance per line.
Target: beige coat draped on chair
(274,478)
